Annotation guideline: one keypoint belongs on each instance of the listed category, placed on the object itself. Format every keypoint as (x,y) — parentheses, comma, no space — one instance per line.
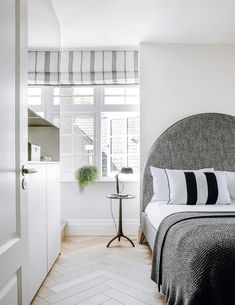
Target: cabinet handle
(26,171)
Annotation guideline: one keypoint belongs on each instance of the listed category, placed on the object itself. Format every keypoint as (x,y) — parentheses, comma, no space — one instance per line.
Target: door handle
(27,171)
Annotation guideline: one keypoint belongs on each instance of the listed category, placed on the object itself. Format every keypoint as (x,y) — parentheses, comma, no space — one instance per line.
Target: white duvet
(157,211)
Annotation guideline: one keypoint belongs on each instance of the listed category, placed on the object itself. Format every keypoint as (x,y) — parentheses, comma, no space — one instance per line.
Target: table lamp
(124,170)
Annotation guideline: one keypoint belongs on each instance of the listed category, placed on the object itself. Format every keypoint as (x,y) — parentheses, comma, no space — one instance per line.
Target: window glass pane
(83,144)
(119,141)
(85,125)
(117,126)
(83,91)
(133,161)
(34,96)
(118,145)
(66,91)
(66,124)
(121,95)
(83,100)
(66,144)
(83,135)
(114,100)
(56,91)
(132,100)
(117,162)
(66,100)
(82,160)
(56,100)
(77,100)
(133,125)
(77,139)
(114,90)
(55,117)
(76,96)
(132,145)
(132,90)
(34,100)
(34,91)
(105,144)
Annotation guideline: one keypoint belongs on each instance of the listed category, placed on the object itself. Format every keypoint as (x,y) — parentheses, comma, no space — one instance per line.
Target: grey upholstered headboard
(199,141)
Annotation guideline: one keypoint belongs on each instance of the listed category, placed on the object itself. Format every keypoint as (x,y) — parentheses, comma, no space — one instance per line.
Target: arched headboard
(199,141)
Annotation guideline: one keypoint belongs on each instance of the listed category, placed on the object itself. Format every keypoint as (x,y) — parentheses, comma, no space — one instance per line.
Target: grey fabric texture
(199,141)
(194,258)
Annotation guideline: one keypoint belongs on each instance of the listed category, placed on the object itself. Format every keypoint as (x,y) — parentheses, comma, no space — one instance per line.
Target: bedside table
(120,232)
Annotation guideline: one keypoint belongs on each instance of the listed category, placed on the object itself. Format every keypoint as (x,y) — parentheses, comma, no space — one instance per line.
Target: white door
(13,144)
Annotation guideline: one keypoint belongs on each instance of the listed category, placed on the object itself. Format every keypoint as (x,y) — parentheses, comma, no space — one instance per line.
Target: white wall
(88,213)
(180,80)
(43,25)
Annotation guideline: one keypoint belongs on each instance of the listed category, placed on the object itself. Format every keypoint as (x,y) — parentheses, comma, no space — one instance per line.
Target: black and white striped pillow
(193,188)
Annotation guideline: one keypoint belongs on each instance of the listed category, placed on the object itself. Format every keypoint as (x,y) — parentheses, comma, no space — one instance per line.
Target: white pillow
(198,187)
(230,176)
(161,185)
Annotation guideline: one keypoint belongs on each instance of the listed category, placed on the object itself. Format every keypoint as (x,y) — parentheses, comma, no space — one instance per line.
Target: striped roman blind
(83,67)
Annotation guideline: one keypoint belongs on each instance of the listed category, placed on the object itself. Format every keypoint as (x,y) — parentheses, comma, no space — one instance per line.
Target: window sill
(105,179)
(112,179)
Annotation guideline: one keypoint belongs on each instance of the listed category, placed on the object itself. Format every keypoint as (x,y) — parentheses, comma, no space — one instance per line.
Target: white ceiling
(123,23)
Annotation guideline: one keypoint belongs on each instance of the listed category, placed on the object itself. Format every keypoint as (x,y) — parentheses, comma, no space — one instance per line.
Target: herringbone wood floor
(87,273)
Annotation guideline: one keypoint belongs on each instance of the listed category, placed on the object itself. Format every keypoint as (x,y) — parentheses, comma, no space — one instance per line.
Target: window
(35,100)
(56,96)
(34,96)
(75,95)
(77,142)
(45,101)
(121,95)
(119,141)
(98,125)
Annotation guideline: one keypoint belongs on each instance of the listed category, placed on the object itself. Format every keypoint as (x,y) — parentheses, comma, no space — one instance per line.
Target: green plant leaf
(86,175)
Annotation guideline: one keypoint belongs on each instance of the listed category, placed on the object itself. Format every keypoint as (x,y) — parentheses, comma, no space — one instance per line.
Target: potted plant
(86,175)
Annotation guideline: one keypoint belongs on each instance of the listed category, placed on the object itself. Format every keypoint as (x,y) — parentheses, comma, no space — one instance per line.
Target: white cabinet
(44,221)
(53,213)
(37,227)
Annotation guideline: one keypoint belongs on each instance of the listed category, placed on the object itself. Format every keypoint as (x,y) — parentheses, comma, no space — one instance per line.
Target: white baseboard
(78,227)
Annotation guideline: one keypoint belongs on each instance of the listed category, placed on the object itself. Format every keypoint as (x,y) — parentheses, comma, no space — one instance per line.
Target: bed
(199,141)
